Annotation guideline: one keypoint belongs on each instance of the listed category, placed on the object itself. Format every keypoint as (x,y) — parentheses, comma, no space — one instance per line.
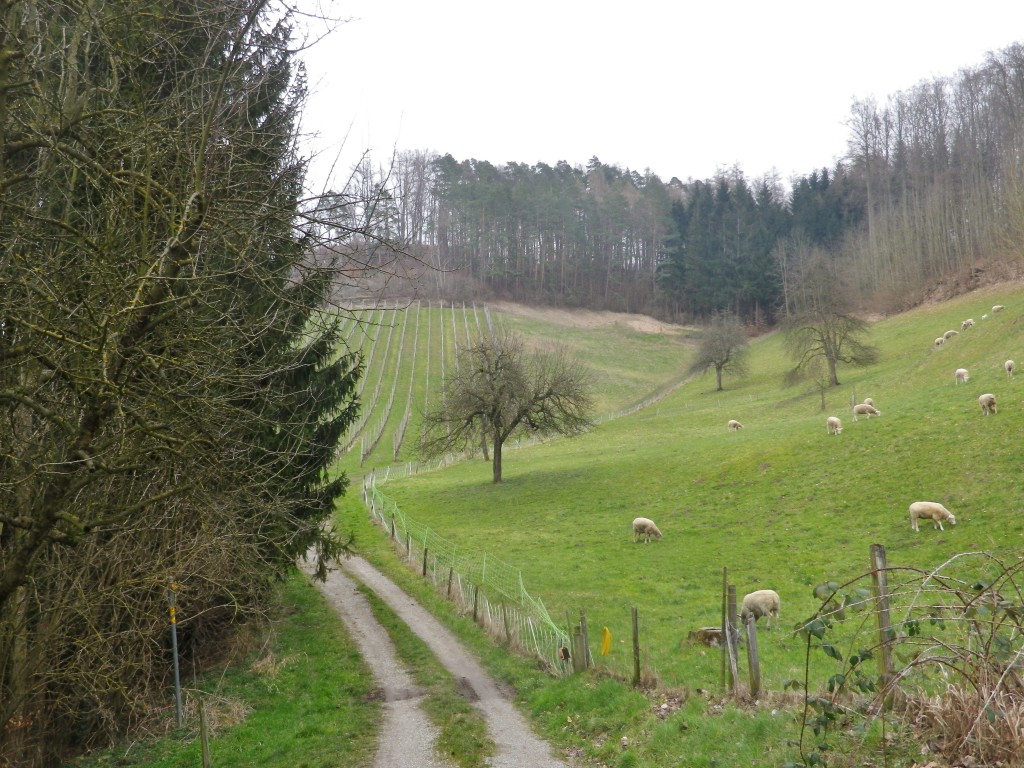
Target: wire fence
(474,580)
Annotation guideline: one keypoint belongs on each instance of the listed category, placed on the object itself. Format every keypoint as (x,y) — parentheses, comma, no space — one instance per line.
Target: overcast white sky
(680,88)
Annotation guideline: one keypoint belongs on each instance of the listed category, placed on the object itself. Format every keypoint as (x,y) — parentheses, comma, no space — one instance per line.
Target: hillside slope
(780,504)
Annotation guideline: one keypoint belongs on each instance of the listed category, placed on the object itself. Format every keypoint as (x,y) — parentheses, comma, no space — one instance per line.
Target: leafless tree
(723,347)
(500,390)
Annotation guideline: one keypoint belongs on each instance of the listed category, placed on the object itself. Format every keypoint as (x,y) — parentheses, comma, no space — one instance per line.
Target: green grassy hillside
(781,504)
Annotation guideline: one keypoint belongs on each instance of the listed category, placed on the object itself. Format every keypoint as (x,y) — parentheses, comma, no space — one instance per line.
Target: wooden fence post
(476,593)
(586,639)
(204,735)
(725,625)
(636,649)
(579,653)
(732,639)
(450,569)
(879,575)
(393,536)
(753,660)
(424,562)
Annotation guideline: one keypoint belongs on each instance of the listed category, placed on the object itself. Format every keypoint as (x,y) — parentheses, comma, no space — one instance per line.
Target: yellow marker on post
(606,641)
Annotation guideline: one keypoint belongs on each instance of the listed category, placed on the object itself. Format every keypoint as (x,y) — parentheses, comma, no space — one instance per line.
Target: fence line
(478,580)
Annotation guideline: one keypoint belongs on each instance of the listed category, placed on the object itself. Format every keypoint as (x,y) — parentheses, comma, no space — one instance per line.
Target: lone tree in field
(823,328)
(722,347)
(499,390)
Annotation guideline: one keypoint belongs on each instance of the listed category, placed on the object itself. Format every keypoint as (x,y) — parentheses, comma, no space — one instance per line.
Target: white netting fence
(479,581)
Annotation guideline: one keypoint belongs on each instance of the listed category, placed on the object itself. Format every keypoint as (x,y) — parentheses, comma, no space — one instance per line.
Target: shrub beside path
(516,744)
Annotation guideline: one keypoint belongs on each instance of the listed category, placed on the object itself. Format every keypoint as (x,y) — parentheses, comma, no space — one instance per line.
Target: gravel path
(406,735)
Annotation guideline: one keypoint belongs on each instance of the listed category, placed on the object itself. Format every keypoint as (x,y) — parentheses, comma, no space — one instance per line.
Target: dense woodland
(930,191)
(172,396)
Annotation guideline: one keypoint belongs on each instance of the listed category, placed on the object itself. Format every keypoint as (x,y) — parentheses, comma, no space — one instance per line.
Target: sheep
(1008,365)
(950,334)
(968,323)
(763,602)
(930,510)
(998,308)
(987,403)
(642,526)
(864,409)
(833,425)
(961,376)
(940,341)
(734,426)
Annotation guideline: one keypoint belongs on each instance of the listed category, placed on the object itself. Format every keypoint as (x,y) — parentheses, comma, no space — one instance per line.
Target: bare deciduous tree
(723,346)
(822,328)
(499,390)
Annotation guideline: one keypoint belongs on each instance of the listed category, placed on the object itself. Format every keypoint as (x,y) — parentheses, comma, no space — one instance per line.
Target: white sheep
(865,409)
(763,602)
(961,376)
(1008,365)
(987,403)
(734,426)
(940,341)
(642,526)
(998,308)
(968,323)
(833,425)
(930,510)
(950,334)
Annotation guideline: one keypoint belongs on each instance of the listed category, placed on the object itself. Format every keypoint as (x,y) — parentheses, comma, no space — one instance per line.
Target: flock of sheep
(987,401)
(763,602)
(766,602)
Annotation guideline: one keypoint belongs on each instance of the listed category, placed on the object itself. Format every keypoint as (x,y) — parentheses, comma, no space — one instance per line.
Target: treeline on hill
(171,394)
(931,188)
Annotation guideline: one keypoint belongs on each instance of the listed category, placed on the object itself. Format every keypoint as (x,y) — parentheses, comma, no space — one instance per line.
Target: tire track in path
(407,736)
(516,744)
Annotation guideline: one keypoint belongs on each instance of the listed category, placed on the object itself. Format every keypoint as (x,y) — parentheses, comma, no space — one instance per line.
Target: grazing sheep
(961,376)
(930,510)
(734,426)
(998,308)
(968,323)
(1008,365)
(646,528)
(950,334)
(940,341)
(864,409)
(987,403)
(763,602)
(833,425)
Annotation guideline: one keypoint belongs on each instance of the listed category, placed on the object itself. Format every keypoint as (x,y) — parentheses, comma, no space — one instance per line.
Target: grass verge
(304,699)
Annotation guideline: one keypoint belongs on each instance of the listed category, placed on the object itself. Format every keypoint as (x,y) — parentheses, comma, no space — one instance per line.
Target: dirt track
(406,735)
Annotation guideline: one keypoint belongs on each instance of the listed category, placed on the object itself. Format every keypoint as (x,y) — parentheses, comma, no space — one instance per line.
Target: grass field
(297,696)
(781,504)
